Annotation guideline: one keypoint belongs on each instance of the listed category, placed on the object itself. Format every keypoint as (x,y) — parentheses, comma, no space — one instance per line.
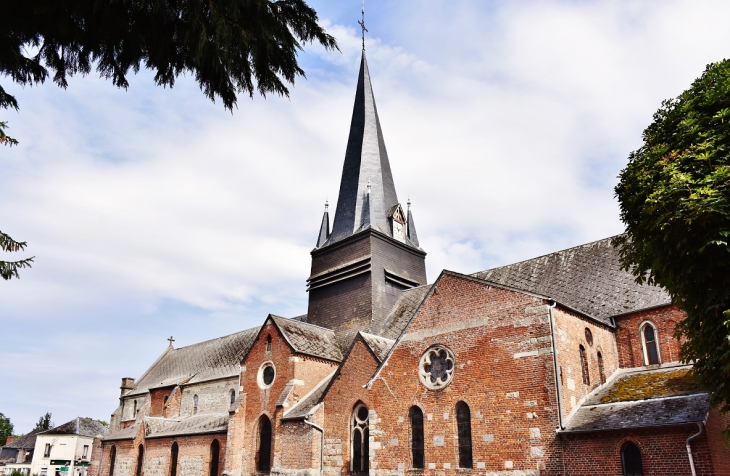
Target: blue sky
(154,212)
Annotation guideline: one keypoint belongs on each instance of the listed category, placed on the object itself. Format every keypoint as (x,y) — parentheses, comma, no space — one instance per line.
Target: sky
(154,212)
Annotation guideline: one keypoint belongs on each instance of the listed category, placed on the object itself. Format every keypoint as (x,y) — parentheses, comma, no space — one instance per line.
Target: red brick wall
(570,334)
(663,452)
(720,450)
(628,339)
(157,398)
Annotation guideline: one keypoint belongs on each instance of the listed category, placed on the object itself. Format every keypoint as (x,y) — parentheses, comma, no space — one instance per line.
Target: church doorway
(263,455)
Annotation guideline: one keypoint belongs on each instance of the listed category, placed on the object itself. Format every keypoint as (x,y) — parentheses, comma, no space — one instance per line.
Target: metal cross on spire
(362,25)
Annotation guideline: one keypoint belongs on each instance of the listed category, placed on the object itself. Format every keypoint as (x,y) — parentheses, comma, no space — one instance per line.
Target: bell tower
(372,253)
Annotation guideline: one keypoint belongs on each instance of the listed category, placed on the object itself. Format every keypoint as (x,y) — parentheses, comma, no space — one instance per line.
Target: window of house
(631,460)
(601,372)
(47,451)
(233,396)
(195,404)
(173,459)
(85,453)
(651,347)
(416,417)
(112,460)
(215,449)
(360,439)
(268,343)
(140,460)
(263,455)
(584,365)
(463,427)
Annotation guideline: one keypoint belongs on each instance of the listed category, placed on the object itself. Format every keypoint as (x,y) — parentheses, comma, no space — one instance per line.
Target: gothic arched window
(263,455)
(112,459)
(140,460)
(173,459)
(631,460)
(215,450)
(651,346)
(601,371)
(416,417)
(195,404)
(584,365)
(463,426)
(360,438)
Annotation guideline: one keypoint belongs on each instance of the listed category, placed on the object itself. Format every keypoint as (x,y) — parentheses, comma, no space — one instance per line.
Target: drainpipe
(321,449)
(555,362)
(689,449)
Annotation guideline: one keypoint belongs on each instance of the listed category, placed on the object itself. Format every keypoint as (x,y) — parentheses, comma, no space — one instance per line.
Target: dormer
(398,223)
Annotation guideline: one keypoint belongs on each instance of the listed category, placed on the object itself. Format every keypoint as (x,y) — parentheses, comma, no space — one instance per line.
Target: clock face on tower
(399,231)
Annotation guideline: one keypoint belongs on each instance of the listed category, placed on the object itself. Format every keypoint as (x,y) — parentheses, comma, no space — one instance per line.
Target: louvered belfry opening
(463,423)
(417,453)
(631,460)
(173,459)
(360,423)
(263,455)
(215,449)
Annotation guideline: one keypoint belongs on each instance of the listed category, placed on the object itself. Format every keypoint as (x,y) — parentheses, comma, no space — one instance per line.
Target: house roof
(308,338)
(26,441)
(587,278)
(642,399)
(79,426)
(208,360)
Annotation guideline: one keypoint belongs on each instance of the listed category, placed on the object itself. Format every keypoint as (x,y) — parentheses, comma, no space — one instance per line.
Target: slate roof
(641,399)
(309,339)
(302,409)
(79,426)
(379,345)
(587,278)
(194,425)
(402,311)
(209,360)
(128,433)
(25,442)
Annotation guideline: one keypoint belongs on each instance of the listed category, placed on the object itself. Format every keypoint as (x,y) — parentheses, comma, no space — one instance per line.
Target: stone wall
(213,397)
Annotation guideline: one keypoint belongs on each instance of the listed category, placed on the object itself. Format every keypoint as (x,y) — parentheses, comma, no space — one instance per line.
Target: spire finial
(409,203)
(362,25)
(368,186)
(326,205)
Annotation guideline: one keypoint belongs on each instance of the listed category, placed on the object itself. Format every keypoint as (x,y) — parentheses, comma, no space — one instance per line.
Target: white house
(66,449)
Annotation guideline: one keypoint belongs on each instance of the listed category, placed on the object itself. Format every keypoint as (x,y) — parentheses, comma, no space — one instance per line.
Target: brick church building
(558,365)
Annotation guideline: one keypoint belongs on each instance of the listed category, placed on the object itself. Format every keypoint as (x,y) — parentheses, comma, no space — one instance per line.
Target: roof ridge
(302,322)
(215,338)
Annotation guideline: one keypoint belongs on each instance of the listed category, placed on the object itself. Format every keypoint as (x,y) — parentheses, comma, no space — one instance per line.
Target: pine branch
(4,139)
(9,269)
(9,244)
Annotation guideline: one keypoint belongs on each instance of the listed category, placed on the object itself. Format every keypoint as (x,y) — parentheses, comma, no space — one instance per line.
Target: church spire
(324,229)
(366,161)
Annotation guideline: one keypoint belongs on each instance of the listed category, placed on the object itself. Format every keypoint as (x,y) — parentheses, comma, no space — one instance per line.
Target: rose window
(436,368)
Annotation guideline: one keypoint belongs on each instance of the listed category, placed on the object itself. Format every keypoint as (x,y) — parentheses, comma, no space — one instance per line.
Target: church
(557,365)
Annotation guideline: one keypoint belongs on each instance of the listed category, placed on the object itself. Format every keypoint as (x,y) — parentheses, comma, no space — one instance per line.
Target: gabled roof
(587,278)
(209,360)
(26,441)
(367,191)
(642,399)
(79,426)
(378,345)
(308,339)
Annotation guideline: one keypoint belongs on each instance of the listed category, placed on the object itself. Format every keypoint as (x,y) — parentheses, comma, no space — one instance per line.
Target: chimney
(11,438)
(127,385)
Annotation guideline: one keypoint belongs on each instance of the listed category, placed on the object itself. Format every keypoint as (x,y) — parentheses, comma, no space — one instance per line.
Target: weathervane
(362,25)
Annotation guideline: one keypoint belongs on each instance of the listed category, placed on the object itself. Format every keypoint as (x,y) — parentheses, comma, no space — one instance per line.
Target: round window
(436,368)
(266,376)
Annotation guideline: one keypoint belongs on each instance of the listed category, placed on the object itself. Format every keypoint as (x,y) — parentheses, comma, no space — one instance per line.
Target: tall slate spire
(324,229)
(366,161)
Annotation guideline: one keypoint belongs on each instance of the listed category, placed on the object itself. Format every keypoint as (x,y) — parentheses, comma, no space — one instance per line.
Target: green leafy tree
(230,47)
(6,429)
(9,269)
(674,197)
(44,422)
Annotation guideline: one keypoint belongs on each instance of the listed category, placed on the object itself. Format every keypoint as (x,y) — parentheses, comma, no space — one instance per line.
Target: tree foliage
(9,269)
(229,46)
(674,197)
(6,429)
(44,422)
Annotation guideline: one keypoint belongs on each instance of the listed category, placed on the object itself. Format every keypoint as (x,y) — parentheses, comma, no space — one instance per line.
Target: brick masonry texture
(628,337)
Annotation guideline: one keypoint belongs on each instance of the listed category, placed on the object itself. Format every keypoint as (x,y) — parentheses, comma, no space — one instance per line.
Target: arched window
(631,460)
(416,417)
(233,396)
(263,455)
(360,452)
(173,459)
(215,449)
(584,365)
(268,343)
(134,409)
(601,371)
(195,404)
(651,346)
(112,459)
(140,460)
(463,426)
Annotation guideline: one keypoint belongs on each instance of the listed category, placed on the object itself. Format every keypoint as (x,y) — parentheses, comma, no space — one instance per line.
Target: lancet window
(173,459)
(651,346)
(263,455)
(584,365)
(360,438)
(463,424)
(215,449)
(417,453)
(631,460)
